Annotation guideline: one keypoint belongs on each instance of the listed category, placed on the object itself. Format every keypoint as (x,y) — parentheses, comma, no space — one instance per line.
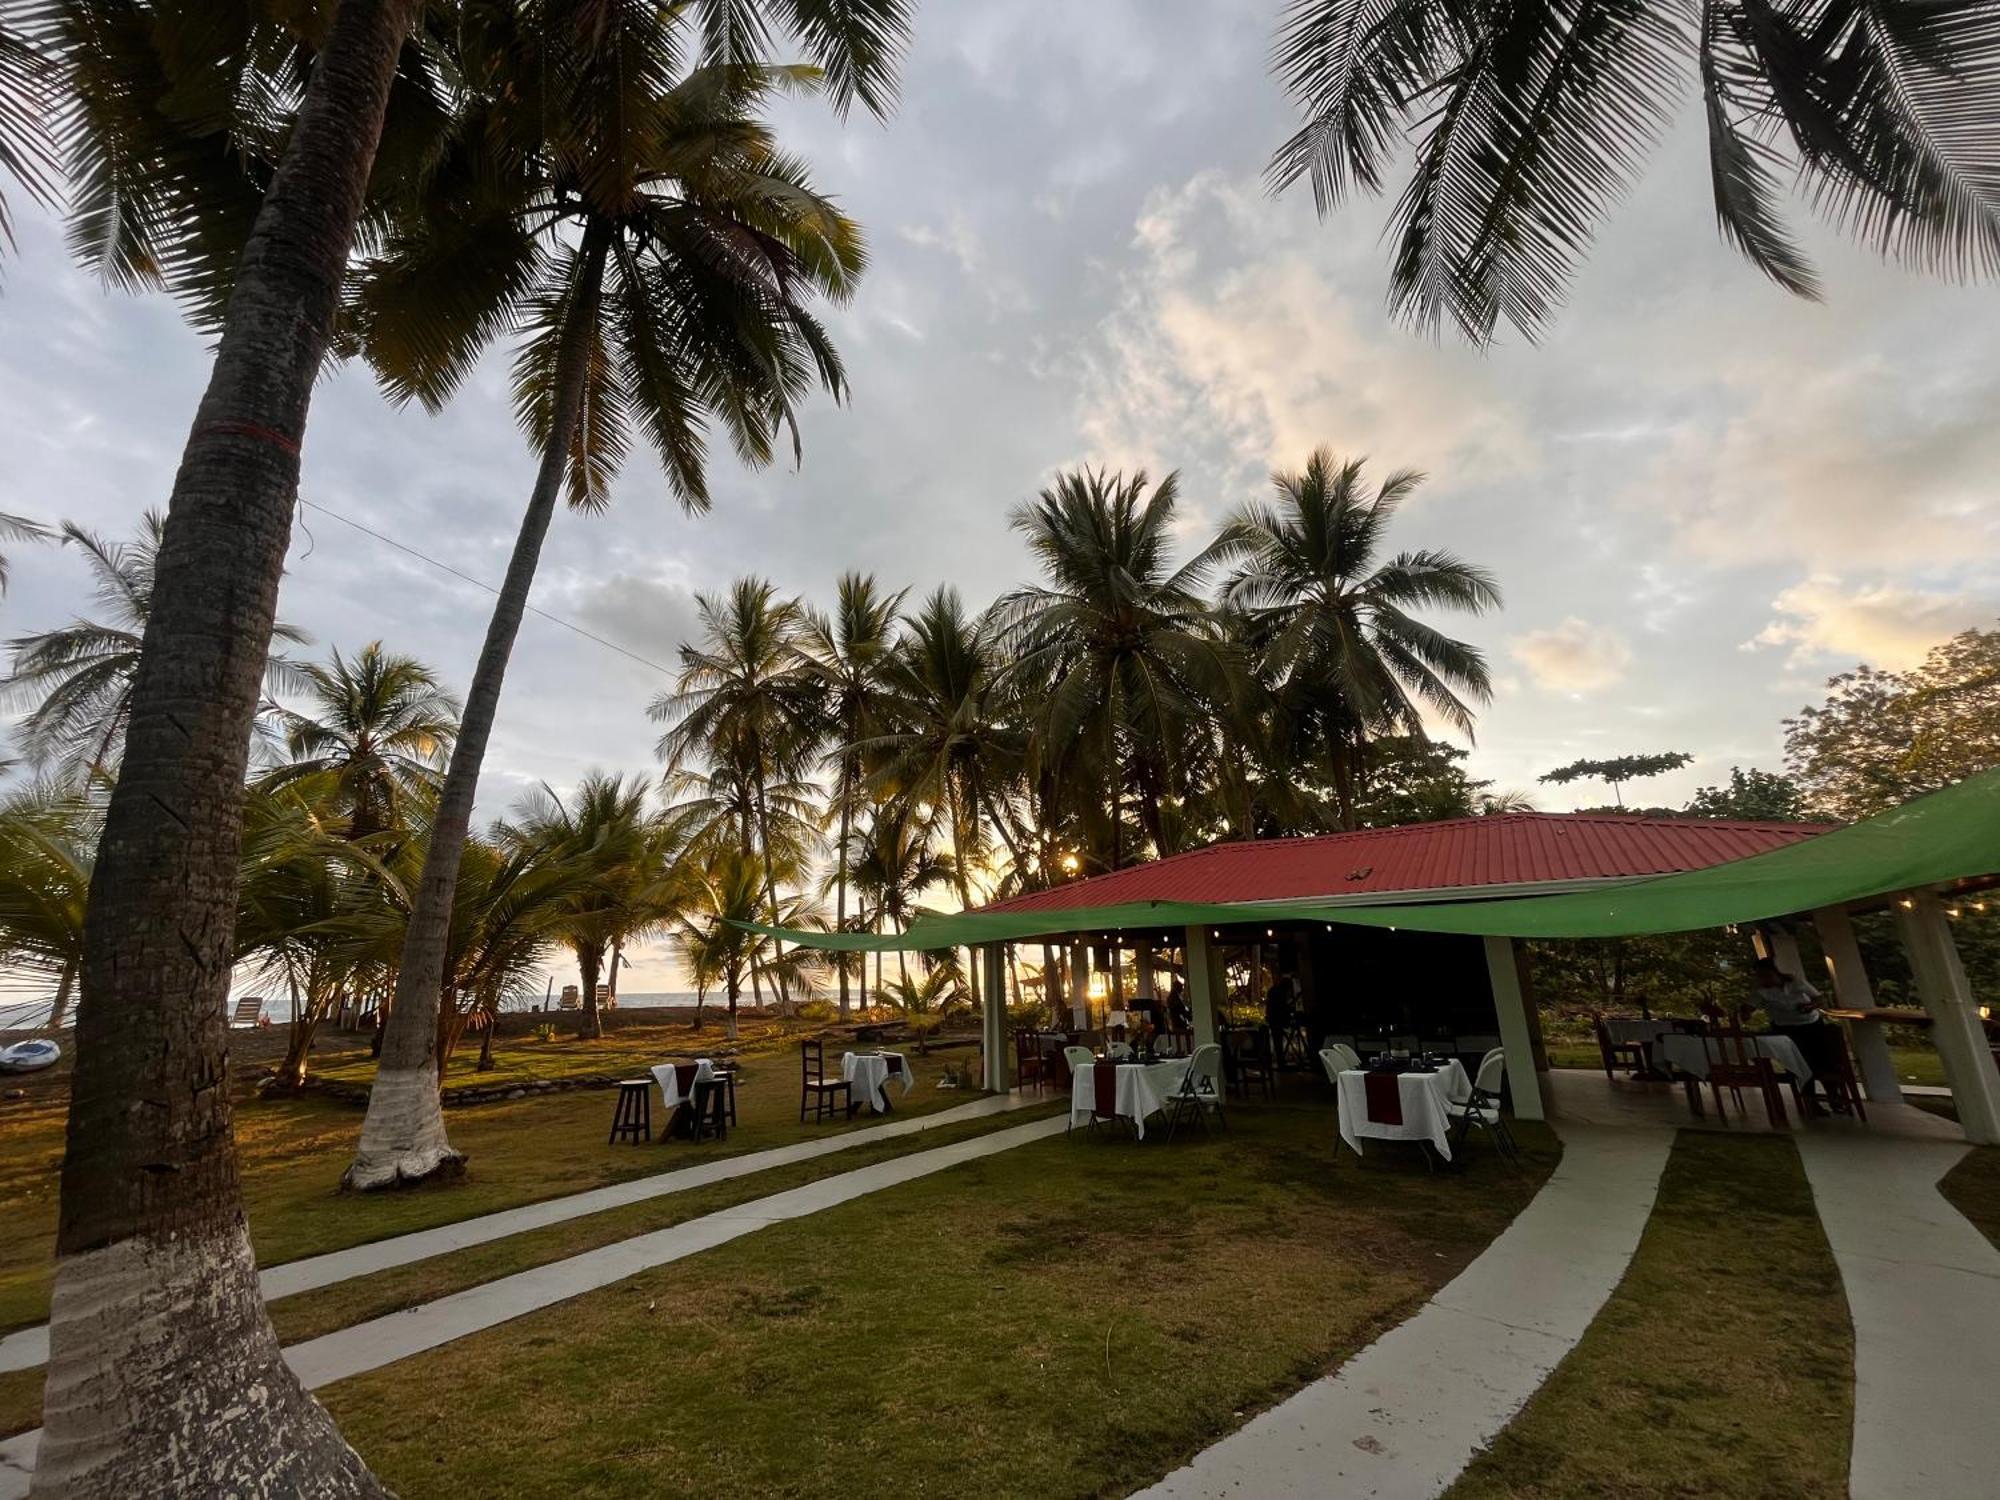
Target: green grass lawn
(1722,1365)
(522,1150)
(1973,1188)
(1073,1317)
(1920,1065)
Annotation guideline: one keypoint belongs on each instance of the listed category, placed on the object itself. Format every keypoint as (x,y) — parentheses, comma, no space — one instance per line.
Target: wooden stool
(709,1115)
(725,1079)
(633,1119)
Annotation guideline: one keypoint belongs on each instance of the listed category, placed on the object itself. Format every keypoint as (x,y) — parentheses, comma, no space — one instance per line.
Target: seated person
(1792,1006)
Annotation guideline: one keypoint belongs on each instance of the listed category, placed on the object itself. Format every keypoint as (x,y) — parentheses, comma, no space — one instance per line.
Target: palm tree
(1534,119)
(1118,638)
(381,725)
(16,528)
(606,837)
(79,678)
(728,890)
(27,145)
(1335,640)
(658,251)
(165,1371)
(48,841)
(897,865)
(848,656)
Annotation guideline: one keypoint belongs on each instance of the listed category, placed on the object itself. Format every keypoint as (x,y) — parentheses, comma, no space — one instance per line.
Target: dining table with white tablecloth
(869,1074)
(1412,1106)
(678,1081)
(1126,1090)
(1691,1055)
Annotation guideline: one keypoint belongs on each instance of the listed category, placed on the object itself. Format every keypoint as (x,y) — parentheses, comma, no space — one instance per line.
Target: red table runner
(1105,1081)
(684,1077)
(1385,1098)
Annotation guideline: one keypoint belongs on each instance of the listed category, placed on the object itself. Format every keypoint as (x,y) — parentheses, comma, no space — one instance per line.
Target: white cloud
(1885,624)
(1573,657)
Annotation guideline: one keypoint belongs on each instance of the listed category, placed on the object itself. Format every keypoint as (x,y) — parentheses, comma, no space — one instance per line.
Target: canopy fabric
(1953,834)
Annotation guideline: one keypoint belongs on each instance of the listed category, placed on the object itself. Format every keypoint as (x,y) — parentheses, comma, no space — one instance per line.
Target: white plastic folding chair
(1200,1091)
(1483,1107)
(1119,1050)
(1344,1059)
(1081,1060)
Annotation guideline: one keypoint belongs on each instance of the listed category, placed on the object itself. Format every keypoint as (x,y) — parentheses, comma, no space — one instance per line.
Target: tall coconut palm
(164,1374)
(848,655)
(48,841)
(605,834)
(1533,119)
(28,151)
(1332,624)
(77,681)
(606,186)
(897,866)
(724,892)
(381,725)
(1118,637)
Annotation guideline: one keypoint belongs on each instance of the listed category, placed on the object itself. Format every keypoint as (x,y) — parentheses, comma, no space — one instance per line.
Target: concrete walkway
(1402,1418)
(370,1345)
(1923,1288)
(28,1347)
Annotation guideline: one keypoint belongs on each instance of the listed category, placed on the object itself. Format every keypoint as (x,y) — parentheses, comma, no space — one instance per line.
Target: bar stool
(633,1118)
(710,1113)
(725,1079)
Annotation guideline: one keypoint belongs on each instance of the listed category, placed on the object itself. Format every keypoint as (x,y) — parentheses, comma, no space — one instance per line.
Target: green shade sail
(1948,835)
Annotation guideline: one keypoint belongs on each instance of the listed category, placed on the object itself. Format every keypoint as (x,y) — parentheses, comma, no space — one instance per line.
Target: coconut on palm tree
(76,681)
(381,725)
(1119,639)
(848,655)
(1332,623)
(1532,120)
(605,185)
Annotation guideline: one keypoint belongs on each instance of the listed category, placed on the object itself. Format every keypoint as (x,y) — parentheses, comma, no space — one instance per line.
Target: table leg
(1871,1057)
(1693,1087)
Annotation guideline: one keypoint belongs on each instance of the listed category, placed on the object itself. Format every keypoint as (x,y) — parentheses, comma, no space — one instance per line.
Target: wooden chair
(1247,1052)
(816,1087)
(632,1120)
(1617,1055)
(1843,1086)
(1735,1064)
(1029,1060)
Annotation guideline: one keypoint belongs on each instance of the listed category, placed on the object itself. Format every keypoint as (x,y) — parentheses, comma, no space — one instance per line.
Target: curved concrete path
(1402,1418)
(1923,1288)
(381,1341)
(27,1347)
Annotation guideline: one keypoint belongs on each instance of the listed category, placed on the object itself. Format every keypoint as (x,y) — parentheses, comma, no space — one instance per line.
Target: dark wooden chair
(1734,1063)
(1246,1051)
(1030,1062)
(819,1090)
(632,1120)
(1617,1055)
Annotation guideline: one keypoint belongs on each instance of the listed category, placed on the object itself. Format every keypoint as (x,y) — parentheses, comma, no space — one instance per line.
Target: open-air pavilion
(1415,929)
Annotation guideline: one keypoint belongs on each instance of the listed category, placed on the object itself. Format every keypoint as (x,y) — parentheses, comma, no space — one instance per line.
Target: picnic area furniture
(827,1096)
(1400,1104)
(1108,1089)
(1481,1106)
(1619,1048)
(1030,1060)
(632,1120)
(1199,1093)
(685,1089)
(1247,1060)
(868,1075)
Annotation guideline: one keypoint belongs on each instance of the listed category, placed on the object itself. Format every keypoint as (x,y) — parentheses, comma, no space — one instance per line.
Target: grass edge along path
(1723,1364)
(343,1304)
(1076,1316)
(1973,1188)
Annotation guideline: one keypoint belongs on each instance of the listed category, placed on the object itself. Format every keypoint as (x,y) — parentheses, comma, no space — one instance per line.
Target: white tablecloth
(1635,1029)
(870,1072)
(1141,1089)
(1691,1054)
(1425,1118)
(670,1083)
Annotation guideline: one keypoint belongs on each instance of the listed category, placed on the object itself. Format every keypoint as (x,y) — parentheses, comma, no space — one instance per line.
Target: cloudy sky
(1700,496)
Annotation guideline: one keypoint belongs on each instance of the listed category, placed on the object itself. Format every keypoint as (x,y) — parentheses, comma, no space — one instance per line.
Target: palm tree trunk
(63,986)
(840,867)
(589,963)
(164,1375)
(403,1137)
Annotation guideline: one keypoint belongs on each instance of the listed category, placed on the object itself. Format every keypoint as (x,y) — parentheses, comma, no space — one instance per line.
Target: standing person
(1180,1016)
(1278,1002)
(1792,1005)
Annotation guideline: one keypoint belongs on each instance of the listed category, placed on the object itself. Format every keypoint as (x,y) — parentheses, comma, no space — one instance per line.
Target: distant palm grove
(838,767)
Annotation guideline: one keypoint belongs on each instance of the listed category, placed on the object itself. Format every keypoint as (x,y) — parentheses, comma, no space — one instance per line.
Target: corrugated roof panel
(1505,850)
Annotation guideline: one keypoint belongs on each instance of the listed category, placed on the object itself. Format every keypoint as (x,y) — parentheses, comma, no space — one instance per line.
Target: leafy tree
(1883,737)
(1407,779)
(1618,770)
(48,844)
(1333,628)
(1532,119)
(1757,796)
(77,681)
(725,893)
(605,186)
(381,725)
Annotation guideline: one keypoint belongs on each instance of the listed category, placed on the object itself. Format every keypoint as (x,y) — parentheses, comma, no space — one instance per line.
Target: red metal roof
(1510,849)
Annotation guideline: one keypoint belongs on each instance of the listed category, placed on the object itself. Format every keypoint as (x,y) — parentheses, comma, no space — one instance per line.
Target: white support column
(993,1031)
(1203,983)
(1509,1004)
(1956,1029)
(1851,991)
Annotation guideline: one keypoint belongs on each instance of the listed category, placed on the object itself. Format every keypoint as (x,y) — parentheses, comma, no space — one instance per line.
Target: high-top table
(869,1073)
